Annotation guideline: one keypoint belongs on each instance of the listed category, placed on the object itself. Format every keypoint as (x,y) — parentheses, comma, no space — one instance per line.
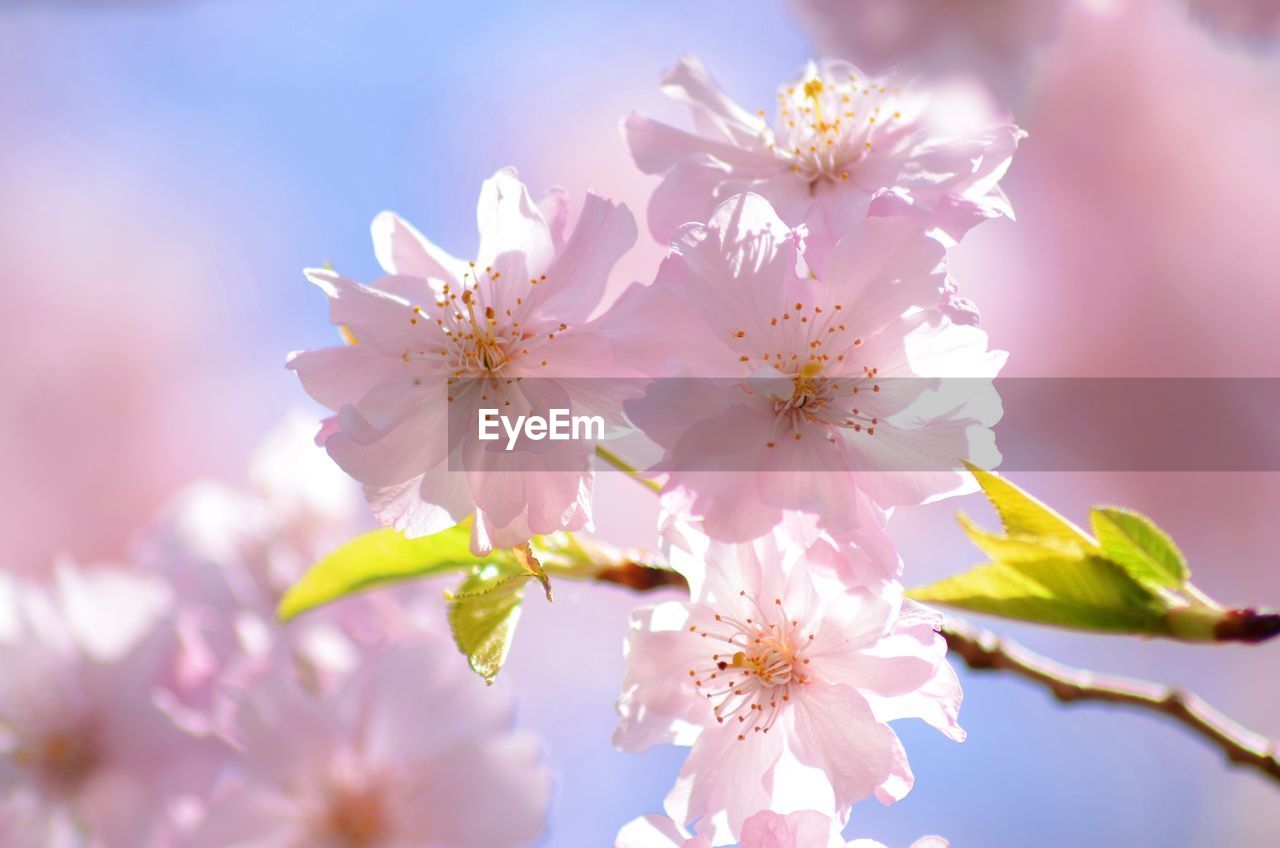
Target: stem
(640,577)
(627,468)
(984,651)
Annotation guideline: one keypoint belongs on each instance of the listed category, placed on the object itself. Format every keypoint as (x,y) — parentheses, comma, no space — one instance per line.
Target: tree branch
(627,468)
(984,651)
(640,577)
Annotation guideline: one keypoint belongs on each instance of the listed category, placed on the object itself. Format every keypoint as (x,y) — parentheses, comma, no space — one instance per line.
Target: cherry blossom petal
(836,731)
(510,222)
(724,781)
(689,83)
(385,456)
(373,316)
(336,376)
(687,193)
(655,705)
(803,829)
(604,232)
(657,147)
(882,268)
(401,249)
(555,210)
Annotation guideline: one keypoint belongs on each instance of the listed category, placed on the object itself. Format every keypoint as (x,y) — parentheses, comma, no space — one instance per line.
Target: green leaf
(484,609)
(381,557)
(1020,548)
(1133,541)
(483,614)
(1045,570)
(1081,591)
(1023,514)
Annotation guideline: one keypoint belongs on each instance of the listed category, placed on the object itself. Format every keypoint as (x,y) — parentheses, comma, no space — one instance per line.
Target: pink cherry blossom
(253,543)
(867,558)
(922,842)
(412,751)
(843,141)
(79,734)
(230,554)
(765,829)
(782,681)
(439,338)
(655,831)
(817,396)
(309,505)
(22,822)
(1252,20)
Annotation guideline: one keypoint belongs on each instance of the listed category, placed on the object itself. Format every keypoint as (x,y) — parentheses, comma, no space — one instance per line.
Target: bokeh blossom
(252,543)
(995,41)
(149,206)
(411,751)
(821,396)
(765,829)
(84,752)
(1256,21)
(439,338)
(782,681)
(844,144)
(22,822)
(229,553)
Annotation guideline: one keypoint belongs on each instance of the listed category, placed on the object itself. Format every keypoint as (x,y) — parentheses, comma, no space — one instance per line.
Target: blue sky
(279,129)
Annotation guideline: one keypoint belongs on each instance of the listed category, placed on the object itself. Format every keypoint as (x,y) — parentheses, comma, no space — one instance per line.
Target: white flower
(765,829)
(783,682)
(78,729)
(412,751)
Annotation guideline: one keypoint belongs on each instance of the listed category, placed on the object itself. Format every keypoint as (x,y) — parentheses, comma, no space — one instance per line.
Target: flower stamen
(756,675)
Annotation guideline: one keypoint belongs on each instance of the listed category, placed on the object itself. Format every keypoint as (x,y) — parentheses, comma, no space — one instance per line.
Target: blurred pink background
(167,169)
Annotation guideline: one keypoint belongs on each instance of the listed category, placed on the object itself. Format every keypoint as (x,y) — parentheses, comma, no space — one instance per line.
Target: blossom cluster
(157,703)
(785,363)
(803,319)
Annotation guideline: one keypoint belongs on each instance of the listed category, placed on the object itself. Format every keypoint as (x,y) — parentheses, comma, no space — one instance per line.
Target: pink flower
(22,822)
(782,681)
(996,41)
(439,338)
(818,396)
(866,559)
(230,554)
(308,505)
(843,143)
(244,547)
(79,733)
(1252,20)
(412,751)
(657,832)
(765,829)
(922,842)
